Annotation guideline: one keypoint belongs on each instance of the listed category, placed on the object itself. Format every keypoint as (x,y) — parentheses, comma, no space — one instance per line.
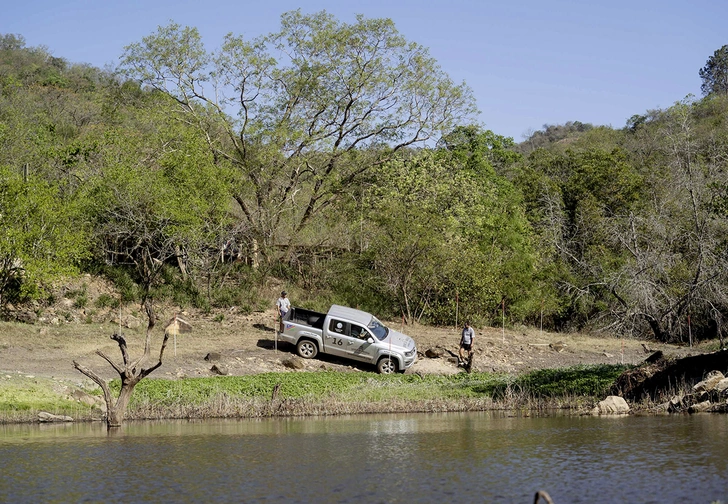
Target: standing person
(283,305)
(466,344)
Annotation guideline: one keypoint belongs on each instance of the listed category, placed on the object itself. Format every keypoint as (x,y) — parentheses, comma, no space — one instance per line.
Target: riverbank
(229,353)
(315,393)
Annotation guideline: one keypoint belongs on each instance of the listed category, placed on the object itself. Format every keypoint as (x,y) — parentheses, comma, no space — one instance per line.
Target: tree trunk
(115,414)
(130,372)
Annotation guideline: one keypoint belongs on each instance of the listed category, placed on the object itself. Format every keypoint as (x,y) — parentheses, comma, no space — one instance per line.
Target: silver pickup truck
(349,333)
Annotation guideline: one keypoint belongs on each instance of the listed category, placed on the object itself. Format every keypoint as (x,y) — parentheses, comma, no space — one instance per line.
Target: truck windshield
(378,329)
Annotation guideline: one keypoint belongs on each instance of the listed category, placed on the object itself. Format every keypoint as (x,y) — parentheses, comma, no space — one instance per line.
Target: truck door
(349,340)
(336,337)
(360,347)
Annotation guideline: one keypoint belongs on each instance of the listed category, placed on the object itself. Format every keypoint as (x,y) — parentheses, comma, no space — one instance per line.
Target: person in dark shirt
(466,344)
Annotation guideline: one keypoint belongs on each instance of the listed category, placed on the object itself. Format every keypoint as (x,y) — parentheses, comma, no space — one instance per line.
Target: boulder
(26,317)
(612,405)
(213,357)
(559,346)
(675,404)
(132,322)
(700,407)
(294,363)
(44,416)
(434,353)
(89,399)
(219,369)
(722,386)
(709,383)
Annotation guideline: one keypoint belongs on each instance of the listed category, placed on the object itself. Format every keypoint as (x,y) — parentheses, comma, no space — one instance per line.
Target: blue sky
(528,62)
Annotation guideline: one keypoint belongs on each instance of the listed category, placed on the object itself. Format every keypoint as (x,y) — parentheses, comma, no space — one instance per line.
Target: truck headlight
(410,353)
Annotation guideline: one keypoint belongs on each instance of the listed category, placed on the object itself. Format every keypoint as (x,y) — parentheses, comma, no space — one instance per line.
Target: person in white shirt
(283,305)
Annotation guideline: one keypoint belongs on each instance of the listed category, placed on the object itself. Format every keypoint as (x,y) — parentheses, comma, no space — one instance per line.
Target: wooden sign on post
(177,326)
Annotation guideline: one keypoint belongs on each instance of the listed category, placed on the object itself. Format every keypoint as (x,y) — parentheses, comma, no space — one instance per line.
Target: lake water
(428,458)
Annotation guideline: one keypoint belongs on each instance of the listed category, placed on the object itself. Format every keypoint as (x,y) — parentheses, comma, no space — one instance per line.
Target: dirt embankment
(247,344)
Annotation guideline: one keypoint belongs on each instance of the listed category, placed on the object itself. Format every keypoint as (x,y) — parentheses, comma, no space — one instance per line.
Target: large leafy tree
(304,112)
(715,73)
(448,236)
(156,198)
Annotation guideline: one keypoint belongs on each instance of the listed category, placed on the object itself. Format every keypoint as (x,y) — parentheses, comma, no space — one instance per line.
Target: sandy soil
(247,345)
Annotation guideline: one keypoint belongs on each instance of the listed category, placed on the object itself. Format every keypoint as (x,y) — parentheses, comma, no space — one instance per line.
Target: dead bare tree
(130,372)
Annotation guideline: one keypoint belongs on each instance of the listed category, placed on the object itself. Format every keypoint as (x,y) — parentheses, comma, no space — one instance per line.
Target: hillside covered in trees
(340,160)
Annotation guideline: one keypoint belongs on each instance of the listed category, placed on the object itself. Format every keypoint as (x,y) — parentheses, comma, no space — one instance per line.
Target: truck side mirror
(370,340)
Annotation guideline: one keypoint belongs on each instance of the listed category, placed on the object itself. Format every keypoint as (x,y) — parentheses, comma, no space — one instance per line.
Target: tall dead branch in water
(130,372)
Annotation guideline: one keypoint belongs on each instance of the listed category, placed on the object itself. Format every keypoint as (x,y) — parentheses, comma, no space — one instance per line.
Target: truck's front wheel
(387,365)
(307,349)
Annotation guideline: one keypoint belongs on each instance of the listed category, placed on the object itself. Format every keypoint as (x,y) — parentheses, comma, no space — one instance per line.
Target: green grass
(325,392)
(22,397)
(579,380)
(593,380)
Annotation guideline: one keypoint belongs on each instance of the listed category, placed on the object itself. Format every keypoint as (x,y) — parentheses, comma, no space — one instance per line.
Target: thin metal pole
(541,334)
(503,314)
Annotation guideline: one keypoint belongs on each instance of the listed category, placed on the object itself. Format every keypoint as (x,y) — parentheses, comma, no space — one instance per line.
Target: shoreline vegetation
(268,395)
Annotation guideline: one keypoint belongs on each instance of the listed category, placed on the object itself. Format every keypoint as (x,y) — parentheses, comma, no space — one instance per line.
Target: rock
(88,399)
(722,386)
(219,369)
(558,346)
(612,405)
(710,382)
(132,322)
(699,407)
(294,363)
(213,357)
(49,417)
(26,317)
(677,404)
(434,353)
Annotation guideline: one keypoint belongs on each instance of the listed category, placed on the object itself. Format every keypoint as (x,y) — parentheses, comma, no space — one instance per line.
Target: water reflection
(464,457)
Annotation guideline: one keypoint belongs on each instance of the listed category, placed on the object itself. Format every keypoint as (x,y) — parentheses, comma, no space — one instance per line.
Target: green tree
(43,236)
(448,235)
(302,130)
(715,73)
(158,199)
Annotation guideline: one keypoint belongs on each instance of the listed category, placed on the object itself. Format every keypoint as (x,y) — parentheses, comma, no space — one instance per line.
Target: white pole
(503,312)
(541,334)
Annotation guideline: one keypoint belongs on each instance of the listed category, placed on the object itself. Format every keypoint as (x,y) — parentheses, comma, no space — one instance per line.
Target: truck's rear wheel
(307,349)
(387,365)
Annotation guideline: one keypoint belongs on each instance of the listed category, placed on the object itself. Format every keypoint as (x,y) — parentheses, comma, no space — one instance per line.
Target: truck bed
(306,317)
